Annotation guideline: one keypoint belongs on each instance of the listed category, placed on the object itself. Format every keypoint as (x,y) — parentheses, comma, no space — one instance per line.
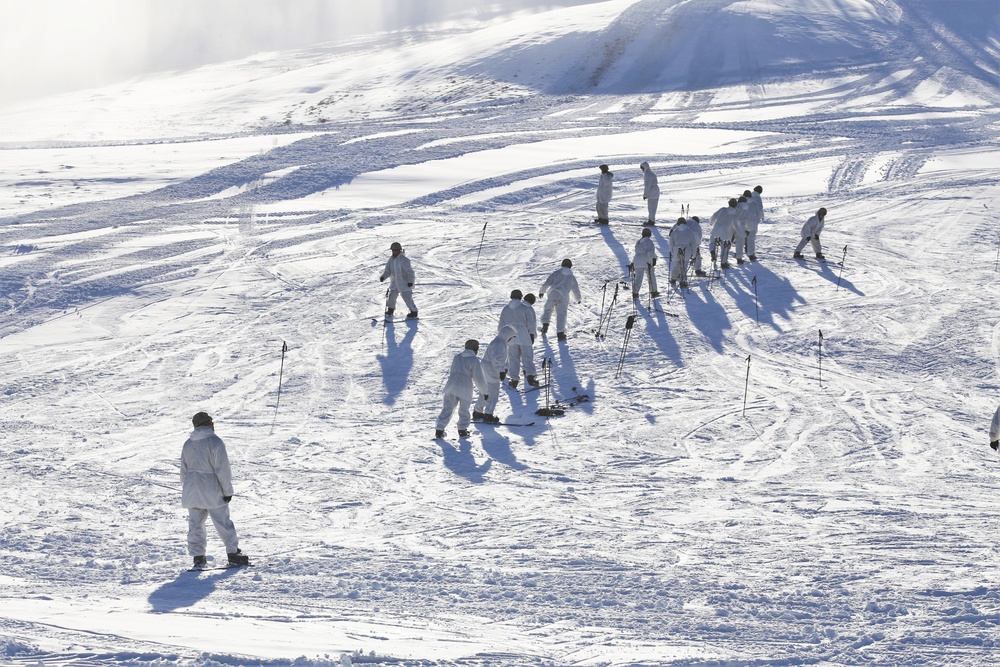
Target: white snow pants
(560,303)
(679,266)
(815,244)
(640,272)
(451,401)
(721,247)
(602,211)
(198,540)
(651,203)
(518,356)
(488,405)
(751,244)
(407,299)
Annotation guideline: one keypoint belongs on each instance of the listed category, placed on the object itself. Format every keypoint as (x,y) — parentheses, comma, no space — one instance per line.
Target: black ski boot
(439,434)
(700,273)
(477,416)
(513,383)
(388,313)
(545,328)
(238,559)
(532,381)
(491,418)
(412,315)
(463,433)
(561,335)
(200,561)
(798,255)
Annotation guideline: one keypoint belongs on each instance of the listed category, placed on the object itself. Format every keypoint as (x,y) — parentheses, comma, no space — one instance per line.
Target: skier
(465,372)
(604,193)
(642,262)
(650,192)
(682,248)
(743,218)
(494,368)
(206,489)
(723,231)
(810,233)
(995,431)
(560,285)
(694,226)
(757,206)
(400,272)
(521,316)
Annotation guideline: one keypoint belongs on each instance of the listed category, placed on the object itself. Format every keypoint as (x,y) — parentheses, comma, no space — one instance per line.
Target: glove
(631,267)
(541,295)
(503,375)
(486,397)
(382,279)
(809,238)
(654,261)
(227,498)
(409,284)
(994,444)
(532,338)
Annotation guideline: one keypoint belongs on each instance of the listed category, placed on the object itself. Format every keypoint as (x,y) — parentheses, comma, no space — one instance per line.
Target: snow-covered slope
(786,465)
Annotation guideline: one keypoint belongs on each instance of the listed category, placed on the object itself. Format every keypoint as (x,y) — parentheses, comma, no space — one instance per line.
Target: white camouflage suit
(205,479)
(401,278)
(458,391)
(694,227)
(560,285)
(683,247)
(520,353)
(757,208)
(494,363)
(605,191)
(810,234)
(650,191)
(643,261)
(723,230)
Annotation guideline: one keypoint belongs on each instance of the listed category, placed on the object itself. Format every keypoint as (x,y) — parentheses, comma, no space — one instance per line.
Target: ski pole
(843,260)
(604,295)
(746,387)
(281,370)
(611,305)
(628,333)
(649,283)
(481,239)
(821,358)
(385,316)
(756,306)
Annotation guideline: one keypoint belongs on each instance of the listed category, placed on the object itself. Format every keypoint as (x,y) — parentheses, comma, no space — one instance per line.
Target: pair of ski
(209,568)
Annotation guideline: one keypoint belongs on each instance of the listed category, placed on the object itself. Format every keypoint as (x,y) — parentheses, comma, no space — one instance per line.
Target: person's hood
(644,166)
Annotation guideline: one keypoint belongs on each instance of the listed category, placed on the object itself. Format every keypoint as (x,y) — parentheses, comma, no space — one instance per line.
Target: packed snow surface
(784,464)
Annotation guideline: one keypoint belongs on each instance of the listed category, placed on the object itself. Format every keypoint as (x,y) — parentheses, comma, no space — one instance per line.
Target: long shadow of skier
(775,295)
(497,446)
(707,314)
(460,461)
(397,362)
(657,327)
(187,589)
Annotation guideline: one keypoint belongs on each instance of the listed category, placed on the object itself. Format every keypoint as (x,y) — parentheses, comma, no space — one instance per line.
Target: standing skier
(650,192)
(206,489)
(465,372)
(682,248)
(521,316)
(810,234)
(743,215)
(604,193)
(757,206)
(400,272)
(494,368)
(560,285)
(694,225)
(643,262)
(720,241)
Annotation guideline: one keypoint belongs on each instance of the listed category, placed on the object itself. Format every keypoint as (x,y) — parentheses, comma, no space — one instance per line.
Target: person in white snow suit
(604,193)
(399,271)
(682,248)
(743,215)
(465,376)
(723,233)
(810,234)
(206,489)
(650,192)
(995,431)
(520,315)
(694,226)
(560,285)
(494,365)
(757,208)
(643,262)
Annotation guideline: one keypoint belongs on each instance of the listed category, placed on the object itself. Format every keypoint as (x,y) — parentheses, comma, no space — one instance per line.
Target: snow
(791,467)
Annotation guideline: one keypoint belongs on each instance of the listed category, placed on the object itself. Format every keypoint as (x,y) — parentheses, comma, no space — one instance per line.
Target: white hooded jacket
(400,272)
(645,253)
(562,282)
(521,317)
(604,187)
(812,227)
(465,370)
(723,224)
(495,356)
(205,473)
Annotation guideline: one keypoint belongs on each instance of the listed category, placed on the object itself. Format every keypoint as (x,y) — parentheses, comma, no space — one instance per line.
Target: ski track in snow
(834,504)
